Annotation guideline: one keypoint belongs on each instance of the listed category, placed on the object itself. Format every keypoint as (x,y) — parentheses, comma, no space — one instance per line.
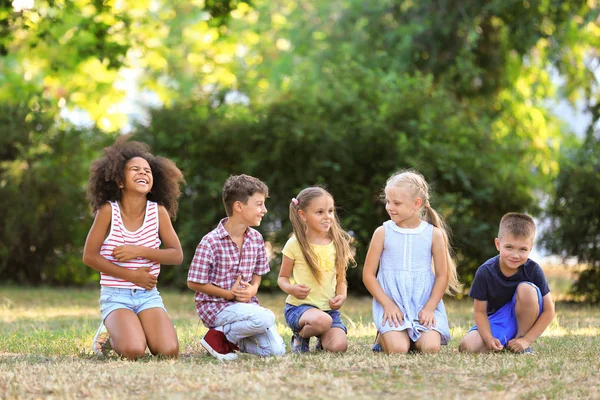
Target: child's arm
(483,326)
(93,258)
(545,318)
(391,312)
(440,262)
(341,294)
(213,290)
(298,291)
(170,254)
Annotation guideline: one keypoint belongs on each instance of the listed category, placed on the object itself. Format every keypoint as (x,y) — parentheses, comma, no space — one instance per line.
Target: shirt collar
(412,231)
(222,232)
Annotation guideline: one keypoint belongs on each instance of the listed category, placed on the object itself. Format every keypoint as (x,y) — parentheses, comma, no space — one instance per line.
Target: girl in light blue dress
(408,310)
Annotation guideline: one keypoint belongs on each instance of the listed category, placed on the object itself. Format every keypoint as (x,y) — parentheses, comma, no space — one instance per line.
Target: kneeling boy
(226,273)
(513,304)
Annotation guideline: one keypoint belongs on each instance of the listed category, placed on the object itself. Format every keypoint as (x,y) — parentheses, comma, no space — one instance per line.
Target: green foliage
(43,170)
(359,128)
(340,93)
(574,215)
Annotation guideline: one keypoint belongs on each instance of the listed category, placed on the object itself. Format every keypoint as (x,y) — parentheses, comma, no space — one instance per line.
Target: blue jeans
(252,328)
(136,300)
(294,313)
(503,322)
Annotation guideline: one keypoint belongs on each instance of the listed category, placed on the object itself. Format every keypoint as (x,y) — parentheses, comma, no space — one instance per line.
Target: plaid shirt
(217,260)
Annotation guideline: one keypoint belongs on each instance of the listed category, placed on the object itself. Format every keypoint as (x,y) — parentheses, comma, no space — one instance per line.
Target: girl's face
(400,205)
(138,176)
(319,215)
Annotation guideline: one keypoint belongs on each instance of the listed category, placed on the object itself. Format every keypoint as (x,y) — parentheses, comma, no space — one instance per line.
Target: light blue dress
(406,276)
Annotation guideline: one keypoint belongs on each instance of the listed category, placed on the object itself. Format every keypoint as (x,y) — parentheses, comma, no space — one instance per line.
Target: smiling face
(253,210)
(402,207)
(138,176)
(319,215)
(514,252)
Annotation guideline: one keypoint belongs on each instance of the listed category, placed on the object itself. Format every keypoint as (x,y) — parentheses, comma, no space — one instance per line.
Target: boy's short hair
(517,224)
(241,188)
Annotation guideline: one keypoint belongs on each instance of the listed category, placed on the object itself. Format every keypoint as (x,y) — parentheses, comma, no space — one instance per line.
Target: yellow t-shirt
(320,294)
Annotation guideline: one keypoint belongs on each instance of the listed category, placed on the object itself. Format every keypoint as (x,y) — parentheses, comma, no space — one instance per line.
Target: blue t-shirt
(491,285)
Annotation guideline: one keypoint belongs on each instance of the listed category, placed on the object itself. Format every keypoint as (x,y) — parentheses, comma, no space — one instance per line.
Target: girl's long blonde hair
(340,238)
(418,187)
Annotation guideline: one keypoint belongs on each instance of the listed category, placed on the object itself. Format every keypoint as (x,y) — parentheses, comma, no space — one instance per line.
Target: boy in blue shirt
(512,301)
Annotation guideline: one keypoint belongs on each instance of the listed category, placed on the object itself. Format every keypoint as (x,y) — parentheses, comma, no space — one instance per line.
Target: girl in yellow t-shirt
(313,272)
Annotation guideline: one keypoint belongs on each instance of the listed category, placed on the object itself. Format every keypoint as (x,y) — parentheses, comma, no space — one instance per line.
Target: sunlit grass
(45,338)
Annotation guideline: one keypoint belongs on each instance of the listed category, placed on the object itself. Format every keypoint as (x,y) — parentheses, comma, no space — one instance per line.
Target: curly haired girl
(134,195)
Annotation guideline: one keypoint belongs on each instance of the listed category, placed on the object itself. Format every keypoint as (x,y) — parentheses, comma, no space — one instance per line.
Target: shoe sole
(218,356)
(98,350)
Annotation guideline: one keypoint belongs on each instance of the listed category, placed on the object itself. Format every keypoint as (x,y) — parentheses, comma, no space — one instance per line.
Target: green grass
(45,338)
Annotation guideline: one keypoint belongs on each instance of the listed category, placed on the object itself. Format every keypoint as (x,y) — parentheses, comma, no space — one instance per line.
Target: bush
(574,216)
(359,128)
(45,216)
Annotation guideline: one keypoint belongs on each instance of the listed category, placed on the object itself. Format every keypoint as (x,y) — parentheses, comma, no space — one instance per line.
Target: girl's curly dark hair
(108,171)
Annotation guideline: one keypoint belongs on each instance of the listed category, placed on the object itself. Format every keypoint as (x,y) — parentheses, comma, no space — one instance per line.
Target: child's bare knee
(465,347)
(322,322)
(397,348)
(132,351)
(431,347)
(469,345)
(167,350)
(526,293)
(335,344)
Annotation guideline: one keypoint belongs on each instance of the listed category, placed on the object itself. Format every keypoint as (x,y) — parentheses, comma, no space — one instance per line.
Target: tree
(45,217)
(574,216)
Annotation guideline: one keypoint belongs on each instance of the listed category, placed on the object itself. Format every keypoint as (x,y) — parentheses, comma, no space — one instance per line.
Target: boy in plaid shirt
(226,272)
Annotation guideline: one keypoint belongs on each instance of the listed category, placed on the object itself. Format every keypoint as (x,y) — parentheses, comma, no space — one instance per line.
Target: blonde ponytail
(431,216)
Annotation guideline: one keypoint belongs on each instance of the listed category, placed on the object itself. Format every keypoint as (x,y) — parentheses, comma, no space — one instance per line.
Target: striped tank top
(146,235)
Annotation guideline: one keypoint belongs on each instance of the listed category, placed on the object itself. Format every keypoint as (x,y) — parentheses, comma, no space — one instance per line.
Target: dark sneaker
(300,344)
(101,344)
(376,345)
(218,346)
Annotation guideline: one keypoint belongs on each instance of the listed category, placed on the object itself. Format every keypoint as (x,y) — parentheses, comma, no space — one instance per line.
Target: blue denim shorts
(503,322)
(136,300)
(294,313)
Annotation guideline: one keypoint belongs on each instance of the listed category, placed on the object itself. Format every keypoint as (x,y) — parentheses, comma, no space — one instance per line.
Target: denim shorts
(136,300)
(503,322)
(294,313)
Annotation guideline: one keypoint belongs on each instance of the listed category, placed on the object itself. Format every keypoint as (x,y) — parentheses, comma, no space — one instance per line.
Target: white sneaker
(101,344)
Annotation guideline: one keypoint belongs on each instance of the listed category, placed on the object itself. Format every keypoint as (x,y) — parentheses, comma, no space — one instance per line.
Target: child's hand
(494,344)
(243,291)
(393,315)
(427,318)
(143,278)
(300,291)
(126,253)
(518,345)
(337,301)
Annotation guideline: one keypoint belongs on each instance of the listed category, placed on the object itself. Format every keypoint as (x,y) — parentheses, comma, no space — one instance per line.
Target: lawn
(45,338)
